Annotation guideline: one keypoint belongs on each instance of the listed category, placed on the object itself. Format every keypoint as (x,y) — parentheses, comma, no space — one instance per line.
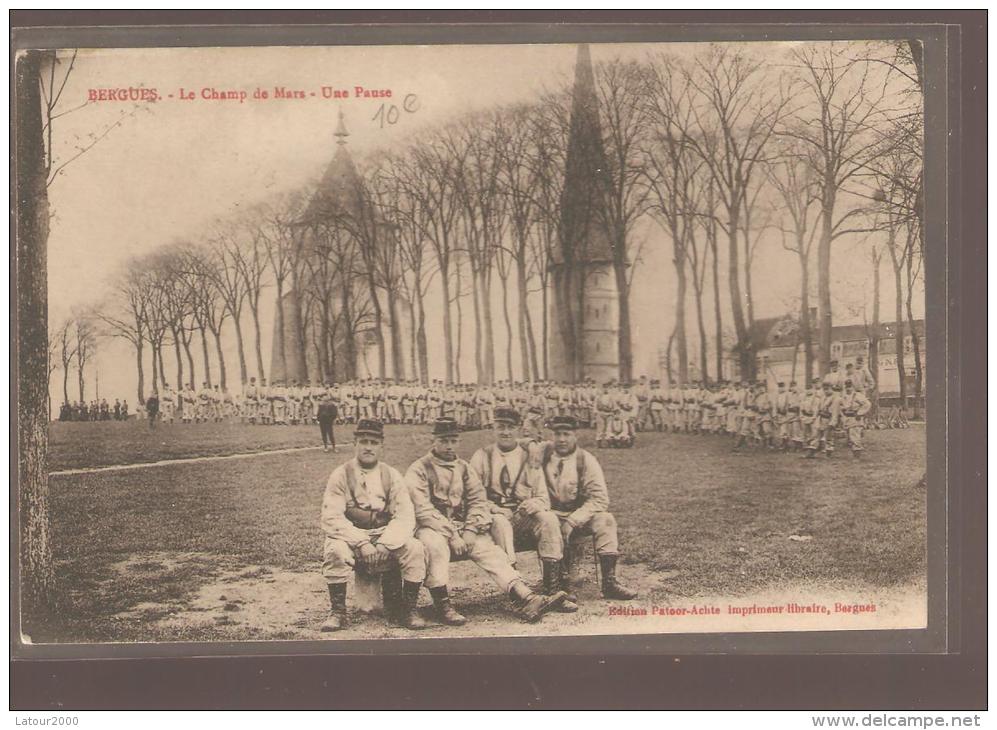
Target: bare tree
(126,314)
(843,101)
(793,178)
(734,115)
(85,348)
(622,87)
(65,345)
(224,248)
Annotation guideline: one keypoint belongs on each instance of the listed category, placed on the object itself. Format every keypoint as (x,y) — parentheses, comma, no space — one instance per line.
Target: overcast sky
(171,168)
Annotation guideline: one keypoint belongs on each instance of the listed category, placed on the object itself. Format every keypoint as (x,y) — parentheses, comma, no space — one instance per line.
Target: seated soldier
(454,520)
(367,517)
(580,499)
(519,502)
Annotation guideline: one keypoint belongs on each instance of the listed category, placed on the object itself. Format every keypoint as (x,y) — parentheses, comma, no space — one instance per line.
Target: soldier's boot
(445,612)
(337,611)
(531,606)
(610,587)
(410,617)
(391,595)
(811,453)
(553,585)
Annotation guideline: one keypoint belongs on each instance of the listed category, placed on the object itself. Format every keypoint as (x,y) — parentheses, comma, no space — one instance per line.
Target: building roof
(783,332)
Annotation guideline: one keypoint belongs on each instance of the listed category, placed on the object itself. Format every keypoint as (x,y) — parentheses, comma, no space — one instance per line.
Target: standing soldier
(828,413)
(485,402)
(264,405)
(168,403)
(152,408)
(854,407)
(643,393)
(278,403)
(605,406)
(326,417)
(249,395)
(763,404)
(454,520)
(579,497)
(748,413)
(520,504)
(783,418)
(367,517)
(293,403)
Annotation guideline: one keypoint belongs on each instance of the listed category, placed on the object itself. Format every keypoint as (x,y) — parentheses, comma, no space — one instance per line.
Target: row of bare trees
(721,151)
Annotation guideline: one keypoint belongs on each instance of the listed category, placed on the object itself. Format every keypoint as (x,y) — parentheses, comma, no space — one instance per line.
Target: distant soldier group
(517,493)
(789,418)
(94,411)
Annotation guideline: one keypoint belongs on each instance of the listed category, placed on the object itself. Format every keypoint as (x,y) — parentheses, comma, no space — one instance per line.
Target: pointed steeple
(341,132)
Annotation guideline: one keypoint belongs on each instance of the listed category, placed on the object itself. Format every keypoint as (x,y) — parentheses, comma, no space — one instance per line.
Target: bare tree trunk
(65,382)
(718,320)
(412,356)
(221,358)
(397,353)
(678,333)
(279,333)
(378,326)
(349,336)
(479,367)
(421,342)
(207,361)
(747,356)
(37,577)
(140,371)
(545,328)
(80,379)
(447,327)
(704,372)
(824,283)
(899,335)
(242,352)
(162,369)
(915,341)
(508,328)
(486,313)
(190,361)
(874,339)
(260,373)
(527,342)
(624,335)
(156,383)
(176,349)
(806,326)
(460,328)
(668,356)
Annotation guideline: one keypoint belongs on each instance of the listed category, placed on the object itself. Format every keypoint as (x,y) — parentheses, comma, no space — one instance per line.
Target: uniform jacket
(345,489)
(581,491)
(448,503)
(527,490)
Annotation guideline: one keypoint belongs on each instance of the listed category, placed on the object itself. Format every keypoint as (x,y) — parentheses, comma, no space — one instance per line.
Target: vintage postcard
(473,340)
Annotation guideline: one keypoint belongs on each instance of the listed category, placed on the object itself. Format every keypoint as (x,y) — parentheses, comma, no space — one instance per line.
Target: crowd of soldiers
(517,493)
(785,418)
(777,416)
(94,411)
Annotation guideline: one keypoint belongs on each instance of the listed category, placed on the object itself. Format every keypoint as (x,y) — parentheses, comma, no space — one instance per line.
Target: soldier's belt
(367,519)
(825,414)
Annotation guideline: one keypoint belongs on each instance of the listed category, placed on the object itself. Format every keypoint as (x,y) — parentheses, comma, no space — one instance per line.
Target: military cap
(507,415)
(558,423)
(848,383)
(445,427)
(781,383)
(369,427)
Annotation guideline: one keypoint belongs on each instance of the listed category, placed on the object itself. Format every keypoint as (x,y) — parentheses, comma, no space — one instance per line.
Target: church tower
(584,315)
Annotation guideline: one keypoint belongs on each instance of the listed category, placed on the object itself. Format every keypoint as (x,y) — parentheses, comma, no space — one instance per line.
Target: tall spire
(341,132)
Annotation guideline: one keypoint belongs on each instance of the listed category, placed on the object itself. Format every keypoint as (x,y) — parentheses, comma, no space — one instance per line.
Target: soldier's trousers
(602,425)
(339,559)
(541,530)
(603,527)
(481,549)
(823,436)
(279,411)
(853,428)
(486,414)
(657,418)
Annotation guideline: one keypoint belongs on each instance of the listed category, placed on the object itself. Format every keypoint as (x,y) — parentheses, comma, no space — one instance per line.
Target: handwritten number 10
(390,114)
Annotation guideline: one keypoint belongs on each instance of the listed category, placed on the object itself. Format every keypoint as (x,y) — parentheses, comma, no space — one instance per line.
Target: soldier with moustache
(454,519)
(579,497)
(520,504)
(368,519)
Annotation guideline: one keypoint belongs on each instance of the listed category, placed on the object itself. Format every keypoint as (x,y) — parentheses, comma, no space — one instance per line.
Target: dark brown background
(911,681)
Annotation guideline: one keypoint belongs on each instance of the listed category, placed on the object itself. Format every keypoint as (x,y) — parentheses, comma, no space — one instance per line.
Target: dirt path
(188,460)
(259,602)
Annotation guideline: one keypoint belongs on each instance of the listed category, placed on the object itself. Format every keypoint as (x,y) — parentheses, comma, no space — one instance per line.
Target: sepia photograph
(377,342)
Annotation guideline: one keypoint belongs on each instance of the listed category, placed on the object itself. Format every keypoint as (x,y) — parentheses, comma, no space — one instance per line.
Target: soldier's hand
(382,556)
(458,548)
(566,529)
(367,554)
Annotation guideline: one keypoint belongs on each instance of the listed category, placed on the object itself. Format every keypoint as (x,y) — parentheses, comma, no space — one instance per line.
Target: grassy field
(133,547)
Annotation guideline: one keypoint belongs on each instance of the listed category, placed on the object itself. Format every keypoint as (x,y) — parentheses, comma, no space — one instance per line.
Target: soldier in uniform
(454,519)
(828,413)
(605,407)
(579,497)
(367,517)
(278,403)
(167,404)
(628,407)
(854,406)
(657,407)
(783,418)
(485,402)
(326,416)
(748,414)
(520,504)
(294,403)
(763,407)
(249,395)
